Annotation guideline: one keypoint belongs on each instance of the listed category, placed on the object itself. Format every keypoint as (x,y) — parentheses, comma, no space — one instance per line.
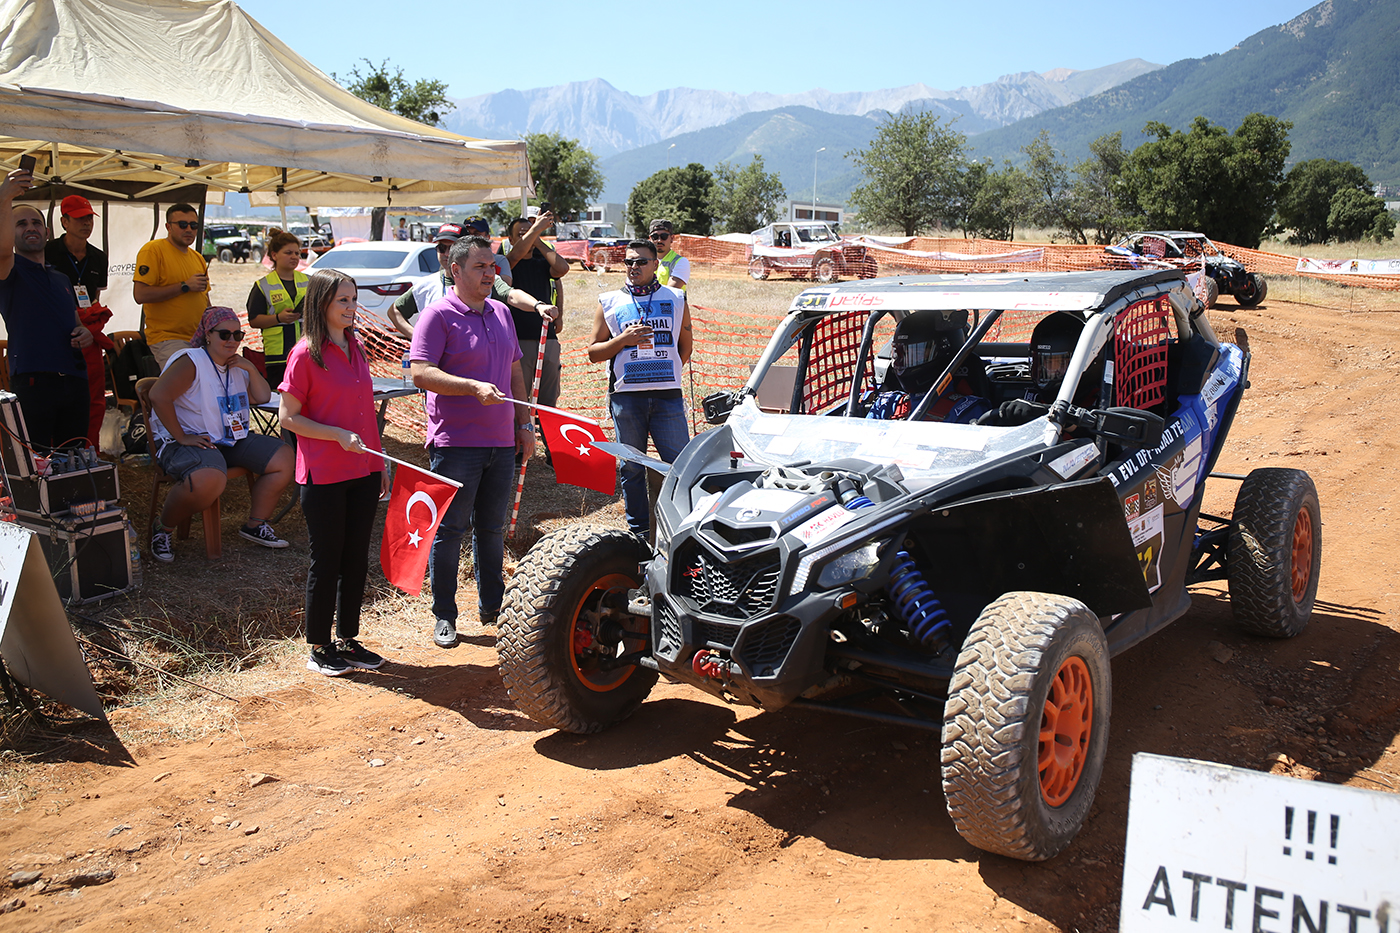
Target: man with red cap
(86,267)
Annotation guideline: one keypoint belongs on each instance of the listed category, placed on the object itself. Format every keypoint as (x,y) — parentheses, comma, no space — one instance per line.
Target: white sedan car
(382,270)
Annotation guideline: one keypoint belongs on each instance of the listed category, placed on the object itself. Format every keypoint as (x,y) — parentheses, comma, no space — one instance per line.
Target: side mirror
(1130,427)
(719,405)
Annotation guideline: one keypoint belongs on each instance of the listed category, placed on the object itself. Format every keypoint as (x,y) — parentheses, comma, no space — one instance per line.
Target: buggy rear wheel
(1212,292)
(1255,290)
(564,624)
(598,258)
(1025,728)
(824,270)
(758,269)
(1274,552)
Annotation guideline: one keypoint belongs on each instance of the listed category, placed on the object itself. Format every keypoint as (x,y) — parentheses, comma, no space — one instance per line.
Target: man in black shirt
(534,267)
(86,267)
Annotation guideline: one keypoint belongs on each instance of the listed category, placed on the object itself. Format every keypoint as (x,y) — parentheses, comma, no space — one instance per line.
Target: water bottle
(407,366)
(135,547)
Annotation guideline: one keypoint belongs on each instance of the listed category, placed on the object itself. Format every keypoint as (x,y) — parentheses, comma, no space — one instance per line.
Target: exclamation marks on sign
(1335,823)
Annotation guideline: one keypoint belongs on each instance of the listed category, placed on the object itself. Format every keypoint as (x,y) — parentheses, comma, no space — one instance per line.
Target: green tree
(566,172)
(1306,201)
(996,202)
(747,198)
(1053,201)
(1100,193)
(913,174)
(683,195)
(1357,215)
(1224,185)
(423,100)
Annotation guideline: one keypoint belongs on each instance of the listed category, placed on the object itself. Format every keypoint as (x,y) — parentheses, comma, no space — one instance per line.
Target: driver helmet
(1052,347)
(925,343)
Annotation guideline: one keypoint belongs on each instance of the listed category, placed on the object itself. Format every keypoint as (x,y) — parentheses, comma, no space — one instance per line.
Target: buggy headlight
(853,565)
(835,571)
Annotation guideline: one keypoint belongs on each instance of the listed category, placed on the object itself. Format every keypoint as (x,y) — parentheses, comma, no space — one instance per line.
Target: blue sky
(746,46)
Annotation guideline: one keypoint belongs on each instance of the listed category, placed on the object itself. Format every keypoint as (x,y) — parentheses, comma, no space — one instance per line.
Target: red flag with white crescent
(576,460)
(416,507)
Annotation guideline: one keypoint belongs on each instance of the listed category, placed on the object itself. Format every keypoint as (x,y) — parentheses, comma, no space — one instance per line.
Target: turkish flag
(415,509)
(576,460)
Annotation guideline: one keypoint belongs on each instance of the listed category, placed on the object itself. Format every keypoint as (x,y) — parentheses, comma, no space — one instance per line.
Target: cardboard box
(90,558)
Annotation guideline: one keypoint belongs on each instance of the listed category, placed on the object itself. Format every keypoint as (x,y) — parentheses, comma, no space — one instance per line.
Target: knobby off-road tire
(1212,292)
(1025,727)
(1256,291)
(824,270)
(758,269)
(1274,552)
(570,589)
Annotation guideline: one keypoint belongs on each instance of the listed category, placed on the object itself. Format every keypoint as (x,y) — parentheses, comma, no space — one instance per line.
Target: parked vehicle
(807,251)
(970,579)
(382,270)
(315,240)
(228,243)
(590,244)
(1179,249)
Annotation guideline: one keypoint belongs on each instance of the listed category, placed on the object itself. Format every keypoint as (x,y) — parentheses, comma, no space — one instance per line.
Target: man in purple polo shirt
(466,357)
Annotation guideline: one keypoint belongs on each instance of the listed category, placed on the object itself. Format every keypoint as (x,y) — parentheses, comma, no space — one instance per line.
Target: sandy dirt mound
(416,798)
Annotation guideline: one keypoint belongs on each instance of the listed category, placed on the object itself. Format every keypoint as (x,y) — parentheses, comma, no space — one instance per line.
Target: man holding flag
(466,357)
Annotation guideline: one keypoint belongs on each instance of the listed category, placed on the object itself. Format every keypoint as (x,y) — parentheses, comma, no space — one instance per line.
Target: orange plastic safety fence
(1140,354)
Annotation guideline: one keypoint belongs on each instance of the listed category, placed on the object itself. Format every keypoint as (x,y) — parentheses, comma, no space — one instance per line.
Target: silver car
(382,270)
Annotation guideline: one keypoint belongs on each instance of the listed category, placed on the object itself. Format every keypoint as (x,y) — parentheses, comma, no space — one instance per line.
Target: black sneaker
(357,655)
(445,633)
(162,548)
(263,534)
(325,659)
(490,618)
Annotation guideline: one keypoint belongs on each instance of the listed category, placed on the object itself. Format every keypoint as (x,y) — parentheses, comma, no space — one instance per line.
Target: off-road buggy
(968,578)
(1192,253)
(807,251)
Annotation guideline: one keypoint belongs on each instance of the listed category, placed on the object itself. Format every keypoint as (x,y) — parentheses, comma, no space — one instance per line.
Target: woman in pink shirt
(328,402)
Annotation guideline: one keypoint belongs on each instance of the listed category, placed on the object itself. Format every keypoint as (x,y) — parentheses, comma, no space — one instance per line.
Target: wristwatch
(525,427)
(184,287)
(538,305)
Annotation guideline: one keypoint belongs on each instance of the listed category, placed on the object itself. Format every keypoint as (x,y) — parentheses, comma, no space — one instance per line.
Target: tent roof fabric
(173,92)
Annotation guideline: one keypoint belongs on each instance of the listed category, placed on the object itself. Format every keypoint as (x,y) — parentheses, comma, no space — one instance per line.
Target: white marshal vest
(640,369)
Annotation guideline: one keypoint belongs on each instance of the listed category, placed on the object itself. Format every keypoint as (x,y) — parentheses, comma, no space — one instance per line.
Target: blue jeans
(478,509)
(636,416)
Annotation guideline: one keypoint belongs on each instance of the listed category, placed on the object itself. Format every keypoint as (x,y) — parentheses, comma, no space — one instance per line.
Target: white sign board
(1211,847)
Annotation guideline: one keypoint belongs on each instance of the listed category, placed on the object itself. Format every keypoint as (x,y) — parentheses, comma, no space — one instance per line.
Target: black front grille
(670,641)
(736,536)
(735,589)
(715,634)
(767,643)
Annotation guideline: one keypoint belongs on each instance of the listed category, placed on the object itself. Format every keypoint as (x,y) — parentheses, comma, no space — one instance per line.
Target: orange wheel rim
(1066,724)
(583,639)
(1302,554)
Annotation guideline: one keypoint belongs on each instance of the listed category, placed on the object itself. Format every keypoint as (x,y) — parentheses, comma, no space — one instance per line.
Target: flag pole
(557,411)
(412,466)
(533,403)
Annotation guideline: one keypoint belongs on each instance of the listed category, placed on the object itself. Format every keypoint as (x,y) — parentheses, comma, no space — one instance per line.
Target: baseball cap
(662,225)
(75,205)
(450,232)
(478,225)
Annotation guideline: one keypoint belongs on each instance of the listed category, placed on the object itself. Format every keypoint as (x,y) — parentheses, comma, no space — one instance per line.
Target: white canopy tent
(139,104)
(168,93)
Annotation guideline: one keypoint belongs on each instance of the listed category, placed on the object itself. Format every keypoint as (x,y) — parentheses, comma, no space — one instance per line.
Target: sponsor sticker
(823,525)
(1067,465)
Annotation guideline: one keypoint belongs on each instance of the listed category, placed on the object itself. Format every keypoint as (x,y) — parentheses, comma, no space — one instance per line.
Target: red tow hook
(709,664)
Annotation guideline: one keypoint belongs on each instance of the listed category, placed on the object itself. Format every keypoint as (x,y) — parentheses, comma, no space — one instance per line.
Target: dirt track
(698,816)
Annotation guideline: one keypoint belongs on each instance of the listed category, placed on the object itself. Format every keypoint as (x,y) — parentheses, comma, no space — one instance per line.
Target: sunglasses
(444,247)
(228,334)
(629,263)
(186,224)
(661,236)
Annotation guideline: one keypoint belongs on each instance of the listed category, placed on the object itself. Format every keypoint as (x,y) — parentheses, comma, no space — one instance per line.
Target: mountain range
(1334,71)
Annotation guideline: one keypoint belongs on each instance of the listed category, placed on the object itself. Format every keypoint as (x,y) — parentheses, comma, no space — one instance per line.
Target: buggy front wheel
(1274,552)
(758,269)
(1025,727)
(564,630)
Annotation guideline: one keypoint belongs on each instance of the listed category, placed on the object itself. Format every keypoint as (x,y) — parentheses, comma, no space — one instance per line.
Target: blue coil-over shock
(914,602)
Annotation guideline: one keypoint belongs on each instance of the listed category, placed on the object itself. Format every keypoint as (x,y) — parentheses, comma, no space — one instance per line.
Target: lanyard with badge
(234,425)
(634,312)
(79,289)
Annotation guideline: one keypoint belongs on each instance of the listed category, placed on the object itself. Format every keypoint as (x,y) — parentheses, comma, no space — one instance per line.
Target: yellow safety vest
(667,264)
(278,341)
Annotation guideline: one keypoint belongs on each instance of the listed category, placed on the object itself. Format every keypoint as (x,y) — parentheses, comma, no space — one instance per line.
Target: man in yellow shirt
(172,284)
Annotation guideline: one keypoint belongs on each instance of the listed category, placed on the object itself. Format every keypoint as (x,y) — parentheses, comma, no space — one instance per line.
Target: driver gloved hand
(1017,411)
